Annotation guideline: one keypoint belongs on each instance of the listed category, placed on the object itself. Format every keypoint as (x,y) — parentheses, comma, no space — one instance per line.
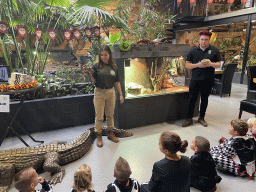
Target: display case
(151,93)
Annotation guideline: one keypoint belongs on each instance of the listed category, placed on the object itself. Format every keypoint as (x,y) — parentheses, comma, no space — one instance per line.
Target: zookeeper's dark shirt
(197,54)
(105,76)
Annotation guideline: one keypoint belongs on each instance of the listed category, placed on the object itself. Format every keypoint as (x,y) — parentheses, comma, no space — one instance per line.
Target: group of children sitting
(174,172)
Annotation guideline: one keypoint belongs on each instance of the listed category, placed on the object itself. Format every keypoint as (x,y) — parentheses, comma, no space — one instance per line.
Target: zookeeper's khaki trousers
(104,99)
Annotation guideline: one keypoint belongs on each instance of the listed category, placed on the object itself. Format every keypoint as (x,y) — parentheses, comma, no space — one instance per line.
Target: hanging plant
(39,33)
(3,27)
(52,33)
(22,31)
(106,29)
(125,45)
(97,31)
(77,34)
(88,33)
(67,34)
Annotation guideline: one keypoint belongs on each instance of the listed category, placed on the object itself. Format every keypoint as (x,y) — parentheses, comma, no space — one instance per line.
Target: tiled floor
(141,150)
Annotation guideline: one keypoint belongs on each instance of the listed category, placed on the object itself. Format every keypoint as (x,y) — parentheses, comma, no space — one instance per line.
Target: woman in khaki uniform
(105,76)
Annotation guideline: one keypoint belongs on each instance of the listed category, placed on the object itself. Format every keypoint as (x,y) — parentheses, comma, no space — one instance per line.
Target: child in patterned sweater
(123,182)
(27,179)
(236,155)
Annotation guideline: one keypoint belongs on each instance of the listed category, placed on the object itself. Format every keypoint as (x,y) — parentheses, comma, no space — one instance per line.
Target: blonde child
(83,179)
(252,126)
(236,155)
(123,182)
(173,172)
(27,179)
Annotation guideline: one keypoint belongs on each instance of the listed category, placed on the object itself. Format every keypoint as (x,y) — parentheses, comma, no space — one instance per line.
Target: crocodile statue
(48,157)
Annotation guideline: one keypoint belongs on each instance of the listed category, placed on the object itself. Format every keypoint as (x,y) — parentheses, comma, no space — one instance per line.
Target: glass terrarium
(148,76)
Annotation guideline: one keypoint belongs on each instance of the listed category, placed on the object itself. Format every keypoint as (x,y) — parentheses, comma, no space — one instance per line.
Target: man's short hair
(122,170)
(22,180)
(206,33)
(240,126)
(202,144)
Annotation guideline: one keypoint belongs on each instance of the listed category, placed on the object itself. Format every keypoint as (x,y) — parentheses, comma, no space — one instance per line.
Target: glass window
(148,76)
(215,7)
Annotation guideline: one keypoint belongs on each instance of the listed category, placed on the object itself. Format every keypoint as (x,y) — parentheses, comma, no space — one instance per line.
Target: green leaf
(116,37)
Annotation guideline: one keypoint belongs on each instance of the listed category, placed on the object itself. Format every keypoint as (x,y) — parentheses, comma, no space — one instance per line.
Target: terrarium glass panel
(148,76)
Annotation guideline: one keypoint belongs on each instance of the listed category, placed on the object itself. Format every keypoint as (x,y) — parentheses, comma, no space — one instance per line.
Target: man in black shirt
(203,60)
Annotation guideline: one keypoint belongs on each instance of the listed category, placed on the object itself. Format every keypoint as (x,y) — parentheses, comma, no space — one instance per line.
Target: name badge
(209,52)
(112,72)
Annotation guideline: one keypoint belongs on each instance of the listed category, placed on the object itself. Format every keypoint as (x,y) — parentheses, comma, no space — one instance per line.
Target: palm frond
(58,3)
(86,14)
(92,3)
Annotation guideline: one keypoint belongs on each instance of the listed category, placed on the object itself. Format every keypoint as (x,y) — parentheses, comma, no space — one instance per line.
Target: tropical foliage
(46,14)
(146,23)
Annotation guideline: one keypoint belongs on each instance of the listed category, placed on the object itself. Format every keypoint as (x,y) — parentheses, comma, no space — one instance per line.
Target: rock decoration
(18,78)
(134,88)
(19,81)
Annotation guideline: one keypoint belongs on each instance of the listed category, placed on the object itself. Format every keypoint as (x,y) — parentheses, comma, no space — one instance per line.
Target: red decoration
(106,29)
(77,34)
(209,1)
(52,33)
(88,32)
(96,31)
(179,5)
(230,2)
(3,27)
(67,34)
(179,2)
(243,2)
(22,31)
(39,33)
(192,3)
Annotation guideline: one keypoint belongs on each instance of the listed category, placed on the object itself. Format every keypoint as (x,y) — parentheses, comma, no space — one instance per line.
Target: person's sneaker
(202,121)
(187,123)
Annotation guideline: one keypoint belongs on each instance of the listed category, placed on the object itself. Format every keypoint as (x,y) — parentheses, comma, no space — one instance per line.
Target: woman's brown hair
(82,178)
(108,50)
(172,142)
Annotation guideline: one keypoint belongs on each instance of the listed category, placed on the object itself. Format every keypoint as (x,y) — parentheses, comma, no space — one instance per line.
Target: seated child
(27,179)
(123,182)
(252,126)
(236,155)
(82,179)
(173,172)
(203,173)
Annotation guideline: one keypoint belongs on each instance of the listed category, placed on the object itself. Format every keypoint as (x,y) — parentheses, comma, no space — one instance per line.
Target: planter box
(62,112)
(50,114)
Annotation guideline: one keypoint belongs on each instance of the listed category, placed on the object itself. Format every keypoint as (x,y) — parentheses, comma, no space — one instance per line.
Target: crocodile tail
(118,132)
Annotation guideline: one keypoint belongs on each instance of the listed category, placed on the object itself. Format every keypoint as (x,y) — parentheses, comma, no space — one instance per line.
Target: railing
(205,8)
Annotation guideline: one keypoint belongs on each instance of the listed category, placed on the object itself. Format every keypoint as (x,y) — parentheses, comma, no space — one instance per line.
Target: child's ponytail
(183,146)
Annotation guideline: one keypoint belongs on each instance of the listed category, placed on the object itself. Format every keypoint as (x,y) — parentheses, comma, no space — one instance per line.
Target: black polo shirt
(197,54)
(105,76)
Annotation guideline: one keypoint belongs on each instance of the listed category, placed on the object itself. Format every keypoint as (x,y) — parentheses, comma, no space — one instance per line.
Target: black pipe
(247,44)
